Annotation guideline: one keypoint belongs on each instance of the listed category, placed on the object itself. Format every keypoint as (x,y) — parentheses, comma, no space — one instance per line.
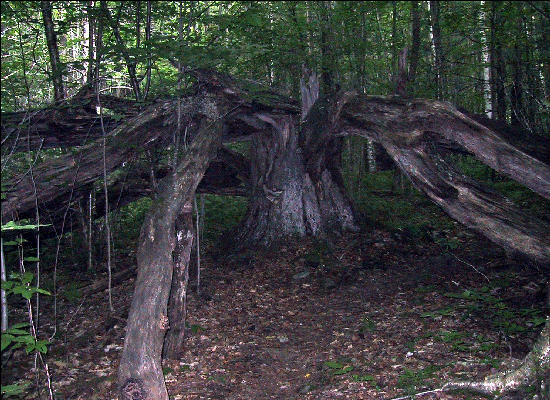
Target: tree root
(534,367)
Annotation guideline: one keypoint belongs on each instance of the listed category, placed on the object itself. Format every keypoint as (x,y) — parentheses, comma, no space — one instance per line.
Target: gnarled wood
(140,373)
(407,129)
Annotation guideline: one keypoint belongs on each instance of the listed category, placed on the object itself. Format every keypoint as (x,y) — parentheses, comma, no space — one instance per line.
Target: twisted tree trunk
(140,373)
(297,187)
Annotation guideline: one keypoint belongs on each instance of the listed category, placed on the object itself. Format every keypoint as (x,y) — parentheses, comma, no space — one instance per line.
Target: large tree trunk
(296,184)
(410,140)
(140,373)
(287,200)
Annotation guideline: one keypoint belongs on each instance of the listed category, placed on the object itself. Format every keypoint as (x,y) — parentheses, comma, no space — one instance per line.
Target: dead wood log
(103,284)
(407,129)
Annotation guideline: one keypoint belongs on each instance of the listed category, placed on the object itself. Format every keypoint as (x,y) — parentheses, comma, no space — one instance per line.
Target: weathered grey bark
(409,122)
(177,307)
(51,40)
(58,177)
(408,136)
(140,373)
(297,187)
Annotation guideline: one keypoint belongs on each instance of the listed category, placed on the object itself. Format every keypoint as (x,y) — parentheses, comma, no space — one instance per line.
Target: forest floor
(374,315)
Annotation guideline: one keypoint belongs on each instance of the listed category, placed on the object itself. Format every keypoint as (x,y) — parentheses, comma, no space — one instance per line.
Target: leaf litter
(364,317)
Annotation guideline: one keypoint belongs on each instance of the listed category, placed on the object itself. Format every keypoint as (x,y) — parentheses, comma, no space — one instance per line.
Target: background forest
(62,332)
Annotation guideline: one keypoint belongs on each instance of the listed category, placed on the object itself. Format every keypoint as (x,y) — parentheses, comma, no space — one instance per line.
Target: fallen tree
(293,183)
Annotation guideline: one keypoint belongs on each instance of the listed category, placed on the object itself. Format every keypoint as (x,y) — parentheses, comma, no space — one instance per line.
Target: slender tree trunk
(394,47)
(140,373)
(415,42)
(148,47)
(173,342)
(327,50)
(516,91)
(437,48)
(138,24)
(498,94)
(51,40)
(91,33)
(485,56)
(130,62)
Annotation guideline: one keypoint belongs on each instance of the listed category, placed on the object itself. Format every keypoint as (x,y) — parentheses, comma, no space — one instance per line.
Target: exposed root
(534,367)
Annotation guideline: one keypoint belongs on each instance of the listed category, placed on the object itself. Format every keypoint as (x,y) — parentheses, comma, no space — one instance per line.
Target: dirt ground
(370,316)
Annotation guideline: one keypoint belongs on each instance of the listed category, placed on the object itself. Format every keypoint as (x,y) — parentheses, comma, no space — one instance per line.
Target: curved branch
(408,129)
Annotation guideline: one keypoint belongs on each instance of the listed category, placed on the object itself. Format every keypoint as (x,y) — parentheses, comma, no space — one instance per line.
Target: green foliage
(194,328)
(337,368)
(367,325)
(20,283)
(411,380)
(71,292)
(508,320)
(222,213)
(15,390)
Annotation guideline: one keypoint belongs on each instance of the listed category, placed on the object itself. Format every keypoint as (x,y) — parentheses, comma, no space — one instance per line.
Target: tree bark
(438,48)
(297,186)
(312,147)
(415,41)
(51,40)
(140,372)
(409,139)
(177,307)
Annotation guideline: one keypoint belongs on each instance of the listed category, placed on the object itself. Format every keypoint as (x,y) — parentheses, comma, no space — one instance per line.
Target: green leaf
(27,339)
(27,277)
(15,389)
(42,346)
(343,371)
(13,226)
(30,347)
(7,339)
(32,259)
(16,331)
(333,365)
(20,325)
